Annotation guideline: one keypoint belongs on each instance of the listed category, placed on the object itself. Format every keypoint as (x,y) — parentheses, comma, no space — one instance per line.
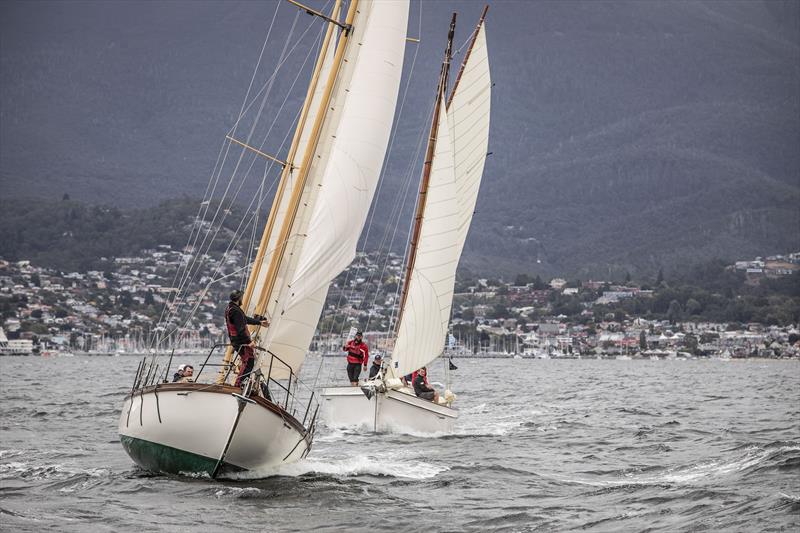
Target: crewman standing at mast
(236,322)
(357,355)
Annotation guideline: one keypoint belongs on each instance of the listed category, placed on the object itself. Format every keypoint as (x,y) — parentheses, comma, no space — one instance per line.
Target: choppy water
(540,445)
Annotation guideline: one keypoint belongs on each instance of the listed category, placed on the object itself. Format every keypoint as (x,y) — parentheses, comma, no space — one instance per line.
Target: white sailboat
(335,159)
(448,192)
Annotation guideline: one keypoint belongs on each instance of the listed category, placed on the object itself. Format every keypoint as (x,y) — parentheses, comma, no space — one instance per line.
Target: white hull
(391,411)
(196,428)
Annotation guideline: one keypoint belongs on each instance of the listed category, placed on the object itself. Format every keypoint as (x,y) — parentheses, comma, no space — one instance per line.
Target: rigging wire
(408,238)
(384,170)
(393,220)
(231,200)
(227,145)
(409,232)
(233,243)
(187,278)
(206,195)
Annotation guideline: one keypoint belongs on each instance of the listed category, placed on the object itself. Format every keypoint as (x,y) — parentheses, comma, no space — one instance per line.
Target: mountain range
(626,136)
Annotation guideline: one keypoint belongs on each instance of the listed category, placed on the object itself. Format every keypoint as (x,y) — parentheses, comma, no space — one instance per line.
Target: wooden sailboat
(448,192)
(335,159)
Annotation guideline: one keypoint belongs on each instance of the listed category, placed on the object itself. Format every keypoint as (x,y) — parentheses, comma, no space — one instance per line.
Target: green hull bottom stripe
(161,458)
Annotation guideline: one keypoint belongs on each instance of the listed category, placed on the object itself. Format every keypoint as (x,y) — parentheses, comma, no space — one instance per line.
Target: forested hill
(626,136)
(71,236)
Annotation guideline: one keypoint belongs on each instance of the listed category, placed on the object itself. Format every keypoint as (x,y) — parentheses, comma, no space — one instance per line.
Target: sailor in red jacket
(357,356)
(236,322)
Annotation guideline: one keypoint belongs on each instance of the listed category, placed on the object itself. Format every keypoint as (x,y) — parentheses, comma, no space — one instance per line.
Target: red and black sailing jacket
(236,322)
(357,352)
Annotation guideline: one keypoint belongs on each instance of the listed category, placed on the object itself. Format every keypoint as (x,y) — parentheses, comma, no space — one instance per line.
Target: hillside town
(126,307)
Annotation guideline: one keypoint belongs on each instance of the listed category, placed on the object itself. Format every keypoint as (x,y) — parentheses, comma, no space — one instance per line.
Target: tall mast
(284,180)
(287,169)
(426,171)
(305,165)
(466,56)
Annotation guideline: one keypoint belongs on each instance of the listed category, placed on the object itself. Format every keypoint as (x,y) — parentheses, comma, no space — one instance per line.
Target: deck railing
(290,394)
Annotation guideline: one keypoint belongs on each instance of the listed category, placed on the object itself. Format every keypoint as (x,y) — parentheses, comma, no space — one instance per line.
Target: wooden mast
(284,180)
(426,172)
(466,56)
(305,165)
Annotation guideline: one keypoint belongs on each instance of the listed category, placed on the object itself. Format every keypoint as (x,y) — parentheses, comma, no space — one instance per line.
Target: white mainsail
(457,167)
(468,117)
(342,179)
(423,326)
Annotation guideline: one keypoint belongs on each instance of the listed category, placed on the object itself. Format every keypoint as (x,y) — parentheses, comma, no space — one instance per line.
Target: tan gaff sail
(344,172)
(457,168)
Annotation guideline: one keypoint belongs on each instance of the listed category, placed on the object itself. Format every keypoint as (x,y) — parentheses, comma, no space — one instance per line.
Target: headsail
(342,177)
(457,170)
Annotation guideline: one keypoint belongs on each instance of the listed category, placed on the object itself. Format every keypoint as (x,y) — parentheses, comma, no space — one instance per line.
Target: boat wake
(350,467)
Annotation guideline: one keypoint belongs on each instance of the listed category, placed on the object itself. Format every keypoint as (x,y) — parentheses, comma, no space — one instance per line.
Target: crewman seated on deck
(421,387)
(188,371)
(179,374)
(376,366)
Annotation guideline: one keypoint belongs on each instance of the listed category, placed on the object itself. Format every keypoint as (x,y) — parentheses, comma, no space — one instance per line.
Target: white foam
(701,470)
(495,426)
(17,469)
(236,492)
(480,408)
(351,466)
(10,453)
(689,474)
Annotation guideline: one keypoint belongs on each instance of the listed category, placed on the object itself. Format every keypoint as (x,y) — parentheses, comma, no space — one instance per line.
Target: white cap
(181,367)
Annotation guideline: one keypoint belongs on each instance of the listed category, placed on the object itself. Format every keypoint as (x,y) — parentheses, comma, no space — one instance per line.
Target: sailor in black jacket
(236,322)
(421,387)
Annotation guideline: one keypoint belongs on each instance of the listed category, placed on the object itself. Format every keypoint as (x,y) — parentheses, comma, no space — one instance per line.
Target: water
(540,445)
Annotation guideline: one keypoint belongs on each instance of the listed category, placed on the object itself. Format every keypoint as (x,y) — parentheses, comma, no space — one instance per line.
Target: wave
(237,493)
(465,428)
(494,428)
(62,478)
(350,467)
(753,460)
(5,454)
(635,411)
(779,458)
(658,447)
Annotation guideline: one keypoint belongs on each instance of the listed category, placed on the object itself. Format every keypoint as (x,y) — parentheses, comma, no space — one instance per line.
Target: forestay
(462,141)
(342,179)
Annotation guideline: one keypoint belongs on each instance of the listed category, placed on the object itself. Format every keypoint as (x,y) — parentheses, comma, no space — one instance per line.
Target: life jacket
(230,324)
(355,353)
